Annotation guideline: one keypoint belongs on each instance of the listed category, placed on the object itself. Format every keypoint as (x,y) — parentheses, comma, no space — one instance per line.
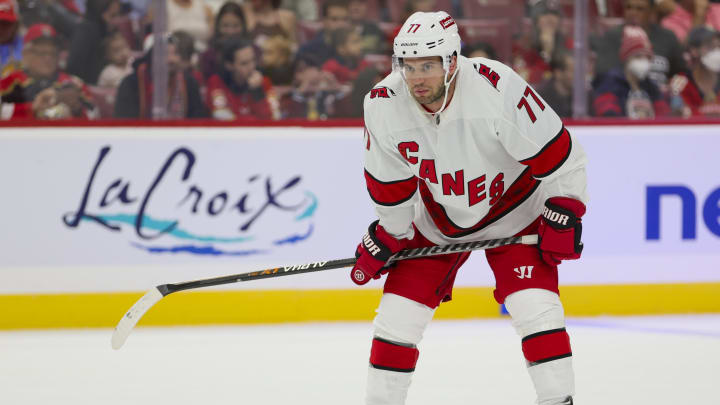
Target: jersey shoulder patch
(487,70)
(381,92)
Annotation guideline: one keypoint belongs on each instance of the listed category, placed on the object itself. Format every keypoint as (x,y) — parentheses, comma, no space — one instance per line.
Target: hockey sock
(393,356)
(390,373)
(545,346)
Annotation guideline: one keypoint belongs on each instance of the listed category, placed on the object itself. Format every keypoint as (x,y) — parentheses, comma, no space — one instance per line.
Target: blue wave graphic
(295,238)
(311,209)
(159,225)
(197,250)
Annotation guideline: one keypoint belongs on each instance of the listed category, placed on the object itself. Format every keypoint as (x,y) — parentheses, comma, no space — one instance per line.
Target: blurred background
(315,59)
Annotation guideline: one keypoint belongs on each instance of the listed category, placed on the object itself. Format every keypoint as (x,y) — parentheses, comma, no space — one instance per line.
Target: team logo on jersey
(489,74)
(447,22)
(524,271)
(382,91)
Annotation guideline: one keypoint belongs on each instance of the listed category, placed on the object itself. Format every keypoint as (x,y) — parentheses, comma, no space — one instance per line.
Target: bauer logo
(687,211)
(181,206)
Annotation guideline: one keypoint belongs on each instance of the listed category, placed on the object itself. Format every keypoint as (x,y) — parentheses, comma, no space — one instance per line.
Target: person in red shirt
(41,90)
(240,90)
(696,91)
(348,59)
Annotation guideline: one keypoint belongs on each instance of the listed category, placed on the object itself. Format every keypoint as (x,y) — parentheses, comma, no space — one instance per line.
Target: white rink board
(45,246)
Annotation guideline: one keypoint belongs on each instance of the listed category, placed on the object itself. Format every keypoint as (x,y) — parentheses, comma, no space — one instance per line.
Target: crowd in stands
(316,59)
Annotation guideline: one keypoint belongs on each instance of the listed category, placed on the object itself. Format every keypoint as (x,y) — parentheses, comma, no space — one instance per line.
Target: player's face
(425,78)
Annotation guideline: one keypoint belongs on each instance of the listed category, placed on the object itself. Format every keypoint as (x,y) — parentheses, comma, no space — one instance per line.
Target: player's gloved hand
(560,230)
(373,253)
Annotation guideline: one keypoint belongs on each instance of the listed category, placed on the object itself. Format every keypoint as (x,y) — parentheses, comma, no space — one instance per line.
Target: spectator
(230,21)
(373,39)
(41,90)
(185,46)
(10,42)
(696,92)
(304,10)
(86,48)
(314,92)
(135,94)
(119,61)
(240,90)
(191,16)
(265,19)
(668,53)
(479,50)
(533,62)
(558,90)
(352,105)
(348,59)
(277,64)
(628,91)
(335,15)
(686,14)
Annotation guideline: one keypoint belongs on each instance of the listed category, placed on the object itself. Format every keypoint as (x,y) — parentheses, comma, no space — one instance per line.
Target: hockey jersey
(480,169)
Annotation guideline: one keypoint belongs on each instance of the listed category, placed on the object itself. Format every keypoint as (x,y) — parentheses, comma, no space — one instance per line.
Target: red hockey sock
(546,346)
(392,356)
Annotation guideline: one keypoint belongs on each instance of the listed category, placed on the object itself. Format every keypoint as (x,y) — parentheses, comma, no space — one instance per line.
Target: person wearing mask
(335,16)
(135,94)
(696,92)
(40,90)
(628,91)
(668,53)
(240,91)
(85,59)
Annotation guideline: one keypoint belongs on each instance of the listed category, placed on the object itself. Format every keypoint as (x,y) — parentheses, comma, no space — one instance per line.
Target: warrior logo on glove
(560,230)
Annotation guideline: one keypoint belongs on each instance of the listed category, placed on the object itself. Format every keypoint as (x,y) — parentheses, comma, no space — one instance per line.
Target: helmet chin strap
(447,89)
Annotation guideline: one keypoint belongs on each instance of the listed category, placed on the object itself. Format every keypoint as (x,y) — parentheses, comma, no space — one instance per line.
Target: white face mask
(639,67)
(711,60)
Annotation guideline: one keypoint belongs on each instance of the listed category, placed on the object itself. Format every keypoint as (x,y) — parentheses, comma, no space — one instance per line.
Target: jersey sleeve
(534,134)
(390,182)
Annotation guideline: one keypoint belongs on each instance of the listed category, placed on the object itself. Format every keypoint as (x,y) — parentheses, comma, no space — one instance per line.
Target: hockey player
(459,150)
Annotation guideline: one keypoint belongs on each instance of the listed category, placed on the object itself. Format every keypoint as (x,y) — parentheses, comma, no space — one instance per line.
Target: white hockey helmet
(427,34)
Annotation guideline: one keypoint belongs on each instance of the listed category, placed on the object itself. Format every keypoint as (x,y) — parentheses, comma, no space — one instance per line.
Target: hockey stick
(133,315)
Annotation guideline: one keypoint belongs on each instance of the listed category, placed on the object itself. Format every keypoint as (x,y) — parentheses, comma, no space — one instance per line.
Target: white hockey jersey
(481,169)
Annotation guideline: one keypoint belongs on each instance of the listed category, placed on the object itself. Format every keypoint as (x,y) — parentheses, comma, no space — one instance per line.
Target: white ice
(618,361)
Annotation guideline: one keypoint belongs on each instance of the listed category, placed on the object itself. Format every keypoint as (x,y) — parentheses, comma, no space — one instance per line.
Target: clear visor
(416,68)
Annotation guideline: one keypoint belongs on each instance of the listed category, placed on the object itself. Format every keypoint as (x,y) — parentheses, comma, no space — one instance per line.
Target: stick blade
(132,316)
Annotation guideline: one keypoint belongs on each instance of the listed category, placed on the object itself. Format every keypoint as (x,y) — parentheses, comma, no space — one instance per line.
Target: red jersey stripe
(390,193)
(518,192)
(545,346)
(551,156)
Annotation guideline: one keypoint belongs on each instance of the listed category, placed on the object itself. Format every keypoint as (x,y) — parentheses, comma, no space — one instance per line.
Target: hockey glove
(373,253)
(560,230)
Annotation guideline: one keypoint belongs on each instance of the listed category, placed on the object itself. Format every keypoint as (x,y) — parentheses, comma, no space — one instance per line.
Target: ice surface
(618,361)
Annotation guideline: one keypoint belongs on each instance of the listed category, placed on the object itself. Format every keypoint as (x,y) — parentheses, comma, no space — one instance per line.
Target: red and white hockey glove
(560,230)
(373,253)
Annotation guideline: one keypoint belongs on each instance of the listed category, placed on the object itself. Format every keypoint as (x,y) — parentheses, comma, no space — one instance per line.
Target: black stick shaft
(166,289)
